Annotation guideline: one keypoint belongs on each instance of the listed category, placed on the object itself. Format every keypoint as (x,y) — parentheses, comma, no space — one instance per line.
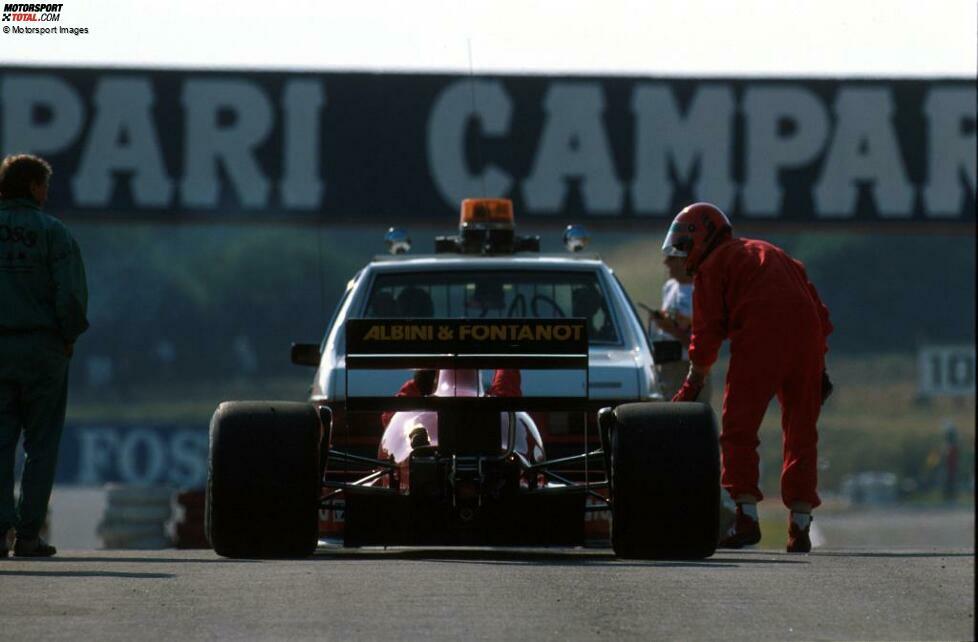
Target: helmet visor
(676,245)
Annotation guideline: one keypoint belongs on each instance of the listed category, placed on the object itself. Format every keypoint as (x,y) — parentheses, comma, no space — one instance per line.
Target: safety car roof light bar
(486,227)
(486,212)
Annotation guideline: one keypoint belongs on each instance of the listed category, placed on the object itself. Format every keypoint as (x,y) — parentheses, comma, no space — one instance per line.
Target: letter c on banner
(457,104)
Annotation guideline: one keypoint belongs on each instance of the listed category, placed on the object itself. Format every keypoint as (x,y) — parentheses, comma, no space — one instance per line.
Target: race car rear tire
(665,475)
(263,480)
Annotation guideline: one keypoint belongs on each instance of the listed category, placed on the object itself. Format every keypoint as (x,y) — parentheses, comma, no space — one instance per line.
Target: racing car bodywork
(464,469)
(456,468)
(409,430)
(453,465)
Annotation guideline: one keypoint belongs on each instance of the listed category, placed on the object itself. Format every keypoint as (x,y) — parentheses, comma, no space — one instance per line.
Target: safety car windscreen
(494,295)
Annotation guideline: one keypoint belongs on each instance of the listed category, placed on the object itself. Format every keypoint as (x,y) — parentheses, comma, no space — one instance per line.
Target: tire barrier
(188,528)
(135,517)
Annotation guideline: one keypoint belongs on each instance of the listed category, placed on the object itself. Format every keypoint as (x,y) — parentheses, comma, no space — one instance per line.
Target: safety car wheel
(263,480)
(665,481)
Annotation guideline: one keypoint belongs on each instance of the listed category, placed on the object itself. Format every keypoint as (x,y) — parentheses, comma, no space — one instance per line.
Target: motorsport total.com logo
(32,12)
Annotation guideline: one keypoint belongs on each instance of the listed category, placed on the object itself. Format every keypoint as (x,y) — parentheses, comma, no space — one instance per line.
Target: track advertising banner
(140,144)
(92,454)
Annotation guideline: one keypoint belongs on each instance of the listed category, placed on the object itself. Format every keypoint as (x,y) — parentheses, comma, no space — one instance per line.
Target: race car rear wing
(458,344)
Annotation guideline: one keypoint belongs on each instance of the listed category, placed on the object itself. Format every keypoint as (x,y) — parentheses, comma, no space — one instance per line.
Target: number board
(946,370)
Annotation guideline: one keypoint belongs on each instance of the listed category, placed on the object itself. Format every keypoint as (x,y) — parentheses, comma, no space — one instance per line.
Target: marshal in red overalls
(754,294)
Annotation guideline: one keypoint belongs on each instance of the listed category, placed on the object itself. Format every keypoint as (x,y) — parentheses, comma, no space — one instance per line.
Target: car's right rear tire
(263,480)
(665,480)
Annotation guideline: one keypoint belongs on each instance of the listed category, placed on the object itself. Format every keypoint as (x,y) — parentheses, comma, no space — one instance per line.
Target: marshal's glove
(827,386)
(690,391)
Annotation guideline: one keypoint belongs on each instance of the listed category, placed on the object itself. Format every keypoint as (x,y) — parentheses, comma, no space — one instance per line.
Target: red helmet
(695,231)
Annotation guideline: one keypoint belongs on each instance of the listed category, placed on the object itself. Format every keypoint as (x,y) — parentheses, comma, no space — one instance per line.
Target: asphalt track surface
(471,594)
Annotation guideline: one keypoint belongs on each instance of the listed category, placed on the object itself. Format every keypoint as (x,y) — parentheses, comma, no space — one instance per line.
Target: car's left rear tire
(263,480)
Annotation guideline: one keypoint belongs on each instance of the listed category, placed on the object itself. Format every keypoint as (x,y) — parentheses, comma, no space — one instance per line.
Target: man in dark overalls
(43,300)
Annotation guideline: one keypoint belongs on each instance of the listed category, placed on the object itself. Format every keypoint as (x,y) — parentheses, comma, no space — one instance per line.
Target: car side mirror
(305,354)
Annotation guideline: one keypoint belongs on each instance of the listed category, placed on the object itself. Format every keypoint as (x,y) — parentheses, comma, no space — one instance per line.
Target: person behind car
(949,461)
(674,322)
(755,294)
(505,383)
(43,301)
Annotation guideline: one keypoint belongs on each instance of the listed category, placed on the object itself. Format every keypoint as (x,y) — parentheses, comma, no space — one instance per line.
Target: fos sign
(94,454)
(373,148)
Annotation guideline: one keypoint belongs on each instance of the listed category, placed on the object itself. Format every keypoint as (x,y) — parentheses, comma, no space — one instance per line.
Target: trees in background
(185,303)
(212,302)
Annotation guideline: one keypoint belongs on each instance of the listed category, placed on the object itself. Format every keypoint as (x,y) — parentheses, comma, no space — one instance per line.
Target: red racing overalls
(761,299)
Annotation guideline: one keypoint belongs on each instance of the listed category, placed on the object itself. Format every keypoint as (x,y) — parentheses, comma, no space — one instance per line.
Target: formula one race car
(459,461)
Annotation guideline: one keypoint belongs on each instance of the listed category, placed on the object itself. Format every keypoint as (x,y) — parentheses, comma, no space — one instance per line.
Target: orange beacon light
(488,212)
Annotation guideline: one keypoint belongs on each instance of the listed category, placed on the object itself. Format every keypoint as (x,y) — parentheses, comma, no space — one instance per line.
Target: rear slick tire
(665,474)
(263,480)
